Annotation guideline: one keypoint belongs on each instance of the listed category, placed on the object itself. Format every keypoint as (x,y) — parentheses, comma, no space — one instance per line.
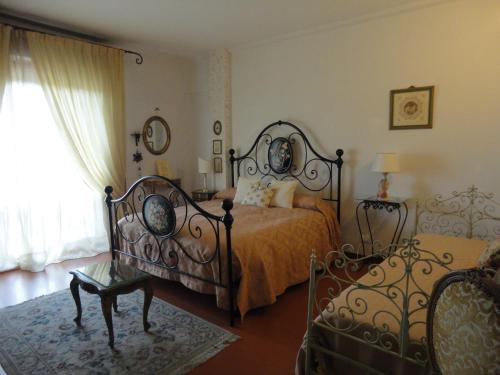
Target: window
(47,212)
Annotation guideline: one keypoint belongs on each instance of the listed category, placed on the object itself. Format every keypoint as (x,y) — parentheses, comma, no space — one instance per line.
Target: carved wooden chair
(463,323)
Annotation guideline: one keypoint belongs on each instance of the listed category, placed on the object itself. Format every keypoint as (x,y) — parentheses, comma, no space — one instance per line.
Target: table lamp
(385,163)
(204,168)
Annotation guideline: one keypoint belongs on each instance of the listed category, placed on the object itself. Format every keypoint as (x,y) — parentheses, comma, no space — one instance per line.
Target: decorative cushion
(243,188)
(490,257)
(305,201)
(258,196)
(283,193)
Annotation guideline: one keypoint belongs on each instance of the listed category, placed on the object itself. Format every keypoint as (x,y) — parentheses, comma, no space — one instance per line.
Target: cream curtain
(4,57)
(47,212)
(83,84)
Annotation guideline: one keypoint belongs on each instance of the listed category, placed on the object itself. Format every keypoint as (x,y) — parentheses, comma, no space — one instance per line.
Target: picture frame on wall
(411,108)
(217,165)
(217,147)
(217,127)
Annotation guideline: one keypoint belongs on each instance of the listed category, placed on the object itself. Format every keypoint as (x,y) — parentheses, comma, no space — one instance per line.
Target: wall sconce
(137,137)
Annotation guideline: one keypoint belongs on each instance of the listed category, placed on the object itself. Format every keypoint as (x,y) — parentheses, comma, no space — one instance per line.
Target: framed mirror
(156,135)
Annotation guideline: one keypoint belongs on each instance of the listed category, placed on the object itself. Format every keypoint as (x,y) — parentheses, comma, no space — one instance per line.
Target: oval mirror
(156,135)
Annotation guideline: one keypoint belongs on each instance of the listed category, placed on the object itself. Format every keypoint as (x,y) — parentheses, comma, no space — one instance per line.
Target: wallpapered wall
(336,85)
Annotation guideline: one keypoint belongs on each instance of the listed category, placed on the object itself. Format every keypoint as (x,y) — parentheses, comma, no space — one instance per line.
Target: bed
(245,255)
(377,323)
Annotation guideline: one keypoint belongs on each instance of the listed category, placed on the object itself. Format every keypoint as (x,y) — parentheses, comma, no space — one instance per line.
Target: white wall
(336,85)
(168,83)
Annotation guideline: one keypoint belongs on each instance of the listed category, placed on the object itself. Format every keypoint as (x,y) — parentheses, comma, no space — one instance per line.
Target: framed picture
(217,127)
(218,165)
(217,147)
(411,108)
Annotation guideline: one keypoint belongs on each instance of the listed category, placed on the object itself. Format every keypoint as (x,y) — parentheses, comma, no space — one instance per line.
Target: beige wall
(169,83)
(335,84)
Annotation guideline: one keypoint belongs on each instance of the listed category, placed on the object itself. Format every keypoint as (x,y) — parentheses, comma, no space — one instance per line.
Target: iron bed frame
(469,213)
(131,208)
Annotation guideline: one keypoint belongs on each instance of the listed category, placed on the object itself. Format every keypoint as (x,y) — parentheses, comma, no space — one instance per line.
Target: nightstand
(200,195)
(390,205)
(155,185)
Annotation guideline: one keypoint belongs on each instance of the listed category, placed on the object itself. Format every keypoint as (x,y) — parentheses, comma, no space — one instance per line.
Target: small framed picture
(217,127)
(218,165)
(411,108)
(217,147)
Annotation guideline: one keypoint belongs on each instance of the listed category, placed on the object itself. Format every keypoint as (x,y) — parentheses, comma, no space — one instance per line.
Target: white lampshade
(386,163)
(203,165)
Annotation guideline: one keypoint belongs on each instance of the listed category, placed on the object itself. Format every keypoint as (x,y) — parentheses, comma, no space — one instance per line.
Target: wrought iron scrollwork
(313,171)
(394,285)
(161,243)
(470,213)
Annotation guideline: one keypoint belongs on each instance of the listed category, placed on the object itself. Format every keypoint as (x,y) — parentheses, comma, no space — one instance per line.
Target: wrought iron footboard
(349,313)
(162,224)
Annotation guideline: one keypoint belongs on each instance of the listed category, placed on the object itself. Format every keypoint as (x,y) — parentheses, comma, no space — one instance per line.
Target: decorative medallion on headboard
(159,215)
(282,151)
(280,155)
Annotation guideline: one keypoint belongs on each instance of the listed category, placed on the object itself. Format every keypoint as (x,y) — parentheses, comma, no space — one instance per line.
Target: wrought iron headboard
(290,156)
(470,213)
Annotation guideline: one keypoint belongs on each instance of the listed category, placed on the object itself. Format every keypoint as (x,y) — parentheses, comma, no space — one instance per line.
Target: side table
(108,280)
(201,195)
(154,185)
(390,205)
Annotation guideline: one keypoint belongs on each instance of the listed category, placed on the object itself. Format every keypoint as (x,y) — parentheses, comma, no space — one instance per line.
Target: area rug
(40,337)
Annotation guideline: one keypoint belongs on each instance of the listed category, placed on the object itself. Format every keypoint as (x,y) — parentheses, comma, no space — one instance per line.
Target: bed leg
(227,205)
(108,190)
(310,311)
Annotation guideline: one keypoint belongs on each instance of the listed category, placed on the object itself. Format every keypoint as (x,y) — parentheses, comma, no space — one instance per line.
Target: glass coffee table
(108,280)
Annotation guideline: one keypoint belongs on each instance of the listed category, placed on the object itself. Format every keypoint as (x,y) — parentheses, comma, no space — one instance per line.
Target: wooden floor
(270,336)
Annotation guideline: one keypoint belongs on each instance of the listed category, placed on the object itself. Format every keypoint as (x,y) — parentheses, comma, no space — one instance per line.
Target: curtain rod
(58,31)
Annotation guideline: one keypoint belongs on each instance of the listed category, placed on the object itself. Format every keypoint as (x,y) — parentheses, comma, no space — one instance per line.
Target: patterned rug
(40,337)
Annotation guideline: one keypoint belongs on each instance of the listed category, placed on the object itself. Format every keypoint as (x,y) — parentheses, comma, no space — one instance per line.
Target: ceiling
(192,26)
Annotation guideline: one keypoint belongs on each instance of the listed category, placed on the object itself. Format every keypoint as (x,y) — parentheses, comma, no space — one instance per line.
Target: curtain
(83,84)
(4,57)
(47,211)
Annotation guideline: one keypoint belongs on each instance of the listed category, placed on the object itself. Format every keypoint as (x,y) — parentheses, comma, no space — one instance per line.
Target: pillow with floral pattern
(259,196)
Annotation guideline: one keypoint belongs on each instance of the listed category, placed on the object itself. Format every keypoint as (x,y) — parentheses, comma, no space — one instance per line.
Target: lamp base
(383,188)
(205,189)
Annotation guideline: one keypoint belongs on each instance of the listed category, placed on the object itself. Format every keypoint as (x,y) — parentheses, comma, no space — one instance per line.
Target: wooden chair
(463,323)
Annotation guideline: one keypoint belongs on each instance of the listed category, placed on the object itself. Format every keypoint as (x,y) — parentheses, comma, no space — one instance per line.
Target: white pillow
(245,185)
(283,193)
(259,196)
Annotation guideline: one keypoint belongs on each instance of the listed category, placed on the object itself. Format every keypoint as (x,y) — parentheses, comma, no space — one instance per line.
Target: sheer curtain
(51,202)
(83,85)
(4,57)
